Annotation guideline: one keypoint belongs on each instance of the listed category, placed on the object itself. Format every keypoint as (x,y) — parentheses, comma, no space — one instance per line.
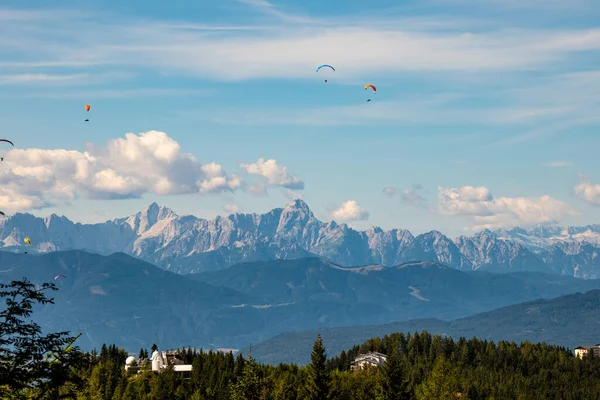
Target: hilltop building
(583,350)
(372,359)
(159,360)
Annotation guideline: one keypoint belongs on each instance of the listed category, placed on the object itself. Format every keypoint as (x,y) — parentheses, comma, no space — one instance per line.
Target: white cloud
(588,191)
(276,175)
(292,46)
(106,94)
(390,191)
(61,79)
(129,167)
(413,196)
(292,194)
(350,211)
(294,53)
(38,78)
(558,164)
(489,212)
(232,208)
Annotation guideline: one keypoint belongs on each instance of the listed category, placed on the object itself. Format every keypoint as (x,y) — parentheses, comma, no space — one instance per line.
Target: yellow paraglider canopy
(27,240)
(368,85)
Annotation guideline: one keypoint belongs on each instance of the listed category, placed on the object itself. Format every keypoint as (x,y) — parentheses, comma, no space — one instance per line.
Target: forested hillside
(419,366)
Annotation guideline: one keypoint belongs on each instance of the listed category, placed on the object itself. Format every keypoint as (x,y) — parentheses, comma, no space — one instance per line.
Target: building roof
(371,356)
(584,347)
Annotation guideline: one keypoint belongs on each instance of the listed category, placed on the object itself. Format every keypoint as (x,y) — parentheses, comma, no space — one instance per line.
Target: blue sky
(485,115)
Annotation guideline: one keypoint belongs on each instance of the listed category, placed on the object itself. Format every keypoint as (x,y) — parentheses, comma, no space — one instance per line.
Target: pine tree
(29,359)
(318,377)
(103,353)
(153,348)
(394,381)
(441,384)
(98,382)
(249,386)
(166,384)
(240,363)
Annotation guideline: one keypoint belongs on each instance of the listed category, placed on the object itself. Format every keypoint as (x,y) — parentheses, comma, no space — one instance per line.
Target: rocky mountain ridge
(187,244)
(122,299)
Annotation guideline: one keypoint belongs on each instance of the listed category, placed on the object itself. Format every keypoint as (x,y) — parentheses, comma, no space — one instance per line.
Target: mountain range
(186,244)
(121,299)
(570,321)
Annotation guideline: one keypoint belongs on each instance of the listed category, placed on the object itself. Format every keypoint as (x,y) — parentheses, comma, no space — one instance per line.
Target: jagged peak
(158,211)
(485,234)
(375,229)
(295,214)
(432,234)
(299,205)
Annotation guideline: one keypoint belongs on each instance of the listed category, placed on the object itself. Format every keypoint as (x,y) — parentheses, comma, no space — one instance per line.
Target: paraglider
(59,276)
(28,241)
(87,109)
(325,65)
(7,141)
(368,85)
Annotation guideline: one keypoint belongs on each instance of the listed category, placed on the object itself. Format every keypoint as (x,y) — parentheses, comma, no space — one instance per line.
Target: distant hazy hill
(569,321)
(119,299)
(124,300)
(413,290)
(188,244)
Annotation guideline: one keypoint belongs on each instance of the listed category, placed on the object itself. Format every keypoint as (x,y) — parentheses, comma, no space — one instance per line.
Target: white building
(160,360)
(372,359)
(583,350)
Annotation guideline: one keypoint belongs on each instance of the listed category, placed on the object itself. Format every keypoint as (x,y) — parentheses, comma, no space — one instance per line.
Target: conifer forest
(419,366)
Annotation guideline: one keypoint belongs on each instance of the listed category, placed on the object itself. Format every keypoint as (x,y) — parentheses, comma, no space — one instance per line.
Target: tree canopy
(418,366)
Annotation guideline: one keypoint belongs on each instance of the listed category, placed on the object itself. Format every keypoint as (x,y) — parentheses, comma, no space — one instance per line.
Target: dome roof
(129,360)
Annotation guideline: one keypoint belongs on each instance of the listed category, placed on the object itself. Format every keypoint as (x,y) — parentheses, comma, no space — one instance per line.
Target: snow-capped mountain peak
(191,244)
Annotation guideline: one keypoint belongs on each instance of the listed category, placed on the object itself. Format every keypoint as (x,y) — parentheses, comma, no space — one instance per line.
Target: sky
(486,113)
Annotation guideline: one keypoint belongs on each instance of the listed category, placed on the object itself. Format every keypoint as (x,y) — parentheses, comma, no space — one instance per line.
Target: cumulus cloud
(232,208)
(390,191)
(292,194)
(413,196)
(350,211)
(558,164)
(128,167)
(489,212)
(275,174)
(587,191)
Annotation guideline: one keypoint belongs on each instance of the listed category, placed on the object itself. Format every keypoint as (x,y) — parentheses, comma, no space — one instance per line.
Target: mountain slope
(569,321)
(187,244)
(121,299)
(412,290)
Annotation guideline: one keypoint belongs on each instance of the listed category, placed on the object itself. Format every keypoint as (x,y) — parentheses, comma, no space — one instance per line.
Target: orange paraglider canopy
(368,85)
(87,107)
